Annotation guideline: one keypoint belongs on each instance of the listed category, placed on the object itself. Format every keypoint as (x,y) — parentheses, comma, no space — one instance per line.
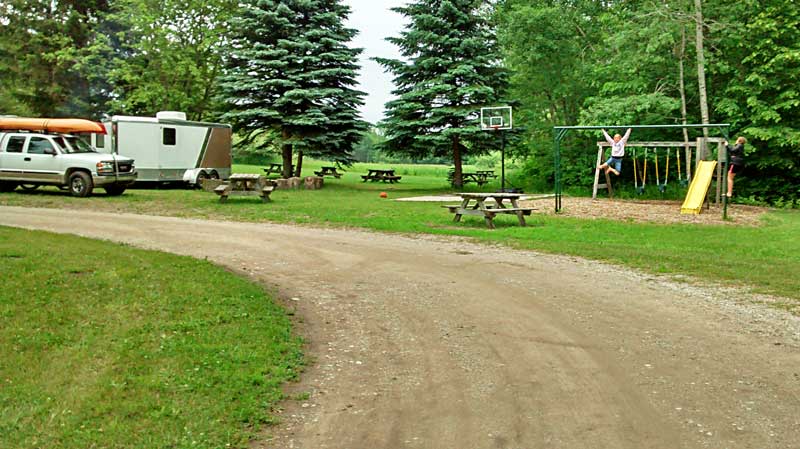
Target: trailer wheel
(6,187)
(80,184)
(29,187)
(213,174)
(200,177)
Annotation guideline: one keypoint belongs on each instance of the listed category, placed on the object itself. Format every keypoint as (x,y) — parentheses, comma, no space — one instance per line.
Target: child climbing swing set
(639,165)
(643,154)
(698,190)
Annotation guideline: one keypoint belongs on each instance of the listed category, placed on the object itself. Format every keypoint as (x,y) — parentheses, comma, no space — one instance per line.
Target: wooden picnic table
(475,204)
(245,184)
(375,175)
(479,177)
(274,169)
(328,171)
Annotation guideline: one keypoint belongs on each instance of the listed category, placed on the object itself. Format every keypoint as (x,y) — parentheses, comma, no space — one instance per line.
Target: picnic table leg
(223,198)
(489,221)
(520,213)
(464,204)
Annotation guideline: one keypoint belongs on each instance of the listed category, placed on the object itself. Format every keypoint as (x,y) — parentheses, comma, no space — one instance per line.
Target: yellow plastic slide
(699,187)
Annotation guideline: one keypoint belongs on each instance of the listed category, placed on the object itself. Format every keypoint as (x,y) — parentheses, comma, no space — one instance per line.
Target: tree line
(283,73)
(657,62)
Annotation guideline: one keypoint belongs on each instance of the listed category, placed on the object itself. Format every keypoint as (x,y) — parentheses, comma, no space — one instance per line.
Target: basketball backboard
(497,118)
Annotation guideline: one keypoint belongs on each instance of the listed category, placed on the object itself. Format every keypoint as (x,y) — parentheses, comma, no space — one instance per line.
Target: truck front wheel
(114,190)
(80,184)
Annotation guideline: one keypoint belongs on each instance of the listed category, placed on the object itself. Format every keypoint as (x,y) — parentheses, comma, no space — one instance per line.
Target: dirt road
(439,343)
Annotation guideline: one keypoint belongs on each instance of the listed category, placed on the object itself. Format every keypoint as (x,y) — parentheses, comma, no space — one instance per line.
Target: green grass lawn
(766,258)
(104,345)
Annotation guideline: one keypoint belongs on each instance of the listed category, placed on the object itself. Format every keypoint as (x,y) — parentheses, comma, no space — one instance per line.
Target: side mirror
(50,151)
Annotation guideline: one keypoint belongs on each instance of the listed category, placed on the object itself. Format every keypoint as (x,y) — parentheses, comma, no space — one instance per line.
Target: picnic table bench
(328,171)
(381,175)
(245,185)
(274,170)
(480,208)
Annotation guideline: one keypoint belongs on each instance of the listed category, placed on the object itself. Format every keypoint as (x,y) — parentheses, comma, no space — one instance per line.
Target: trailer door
(181,146)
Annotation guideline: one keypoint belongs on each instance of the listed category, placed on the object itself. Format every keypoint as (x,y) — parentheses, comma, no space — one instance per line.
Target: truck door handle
(27,159)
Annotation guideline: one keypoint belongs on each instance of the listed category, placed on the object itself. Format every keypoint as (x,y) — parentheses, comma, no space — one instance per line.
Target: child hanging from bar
(614,163)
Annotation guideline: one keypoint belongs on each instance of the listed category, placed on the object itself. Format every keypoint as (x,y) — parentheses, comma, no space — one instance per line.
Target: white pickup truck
(34,159)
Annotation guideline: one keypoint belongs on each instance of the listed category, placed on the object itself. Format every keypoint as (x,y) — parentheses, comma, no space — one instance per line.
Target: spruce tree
(291,71)
(453,70)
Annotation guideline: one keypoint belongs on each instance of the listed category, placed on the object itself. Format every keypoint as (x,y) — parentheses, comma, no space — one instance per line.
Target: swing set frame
(559,132)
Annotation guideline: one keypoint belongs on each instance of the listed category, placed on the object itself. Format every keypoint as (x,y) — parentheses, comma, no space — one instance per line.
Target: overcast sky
(375,22)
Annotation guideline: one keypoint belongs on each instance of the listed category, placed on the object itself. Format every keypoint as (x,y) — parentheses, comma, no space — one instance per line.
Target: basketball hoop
(497,118)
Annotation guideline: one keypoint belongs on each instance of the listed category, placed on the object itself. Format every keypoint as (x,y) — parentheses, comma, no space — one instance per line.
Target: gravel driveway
(434,342)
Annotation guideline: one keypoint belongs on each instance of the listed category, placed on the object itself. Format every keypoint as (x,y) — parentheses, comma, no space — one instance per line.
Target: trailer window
(100,141)
(15,145)
(169,136)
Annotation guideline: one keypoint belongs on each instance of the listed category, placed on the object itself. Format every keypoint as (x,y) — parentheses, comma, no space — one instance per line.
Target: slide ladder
(698,190)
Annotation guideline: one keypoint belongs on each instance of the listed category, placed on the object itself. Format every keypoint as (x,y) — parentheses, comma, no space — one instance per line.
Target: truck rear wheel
(114,190)
(80,184)
(7,186)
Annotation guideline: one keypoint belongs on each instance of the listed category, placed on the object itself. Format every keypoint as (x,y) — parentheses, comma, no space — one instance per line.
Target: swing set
(641,182)
(640,168)
(701,151)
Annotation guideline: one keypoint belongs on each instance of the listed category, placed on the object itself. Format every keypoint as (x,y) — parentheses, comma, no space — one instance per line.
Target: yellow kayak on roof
(51,125)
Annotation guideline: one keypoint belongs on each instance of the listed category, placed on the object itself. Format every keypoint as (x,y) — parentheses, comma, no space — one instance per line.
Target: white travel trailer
(169,148)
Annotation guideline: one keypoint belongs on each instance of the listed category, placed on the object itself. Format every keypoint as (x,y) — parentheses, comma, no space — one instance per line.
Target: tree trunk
(457,177)
(681,57)
(701,69)
(298,169)
(287,156)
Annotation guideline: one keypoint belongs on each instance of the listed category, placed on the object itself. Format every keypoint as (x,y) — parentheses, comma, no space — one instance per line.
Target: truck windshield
(71,144)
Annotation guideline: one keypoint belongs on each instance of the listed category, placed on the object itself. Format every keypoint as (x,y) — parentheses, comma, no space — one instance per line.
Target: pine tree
(291,71)
(453,70)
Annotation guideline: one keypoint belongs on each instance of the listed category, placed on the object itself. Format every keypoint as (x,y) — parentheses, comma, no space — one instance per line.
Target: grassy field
(136,350)
(766,258)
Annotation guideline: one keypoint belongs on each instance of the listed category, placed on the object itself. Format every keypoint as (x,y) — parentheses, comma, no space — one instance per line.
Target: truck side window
(38,145)
(15,145)
(100,141)
(169,137)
